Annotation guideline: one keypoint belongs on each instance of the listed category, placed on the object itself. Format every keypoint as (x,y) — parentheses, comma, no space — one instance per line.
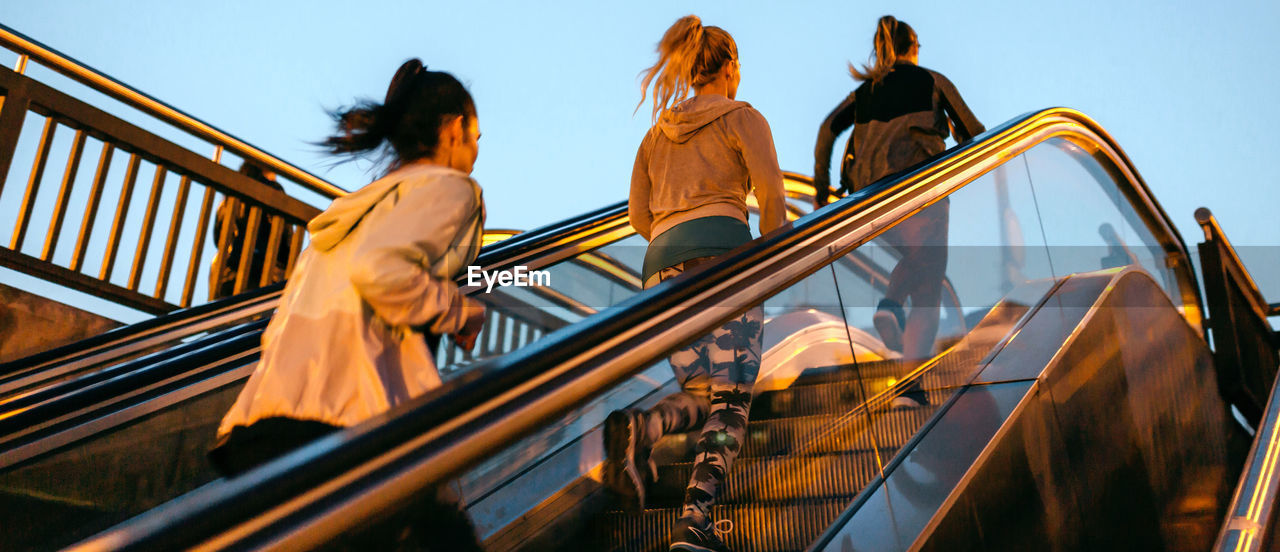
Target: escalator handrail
(1250,523)
(324,487)
(67,396)
(21,404)
(22,427)
(132,333)
(179,324)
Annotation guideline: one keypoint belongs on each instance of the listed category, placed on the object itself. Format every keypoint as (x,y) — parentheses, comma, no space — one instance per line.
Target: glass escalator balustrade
(843,401)
(824,421)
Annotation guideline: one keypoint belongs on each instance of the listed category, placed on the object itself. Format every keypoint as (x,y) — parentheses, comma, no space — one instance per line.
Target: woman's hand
(466,337)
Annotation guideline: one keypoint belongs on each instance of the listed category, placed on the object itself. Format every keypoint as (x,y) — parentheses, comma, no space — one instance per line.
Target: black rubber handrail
(134,332)
(26,403)
(31,415)
(522,244)
(431,437)
(24,426)
(177,325)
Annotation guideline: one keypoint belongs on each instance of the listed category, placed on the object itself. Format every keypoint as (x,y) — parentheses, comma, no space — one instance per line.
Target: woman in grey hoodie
(689,186)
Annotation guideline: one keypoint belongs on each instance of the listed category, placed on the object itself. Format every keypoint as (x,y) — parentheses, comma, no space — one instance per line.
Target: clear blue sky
(1186,89)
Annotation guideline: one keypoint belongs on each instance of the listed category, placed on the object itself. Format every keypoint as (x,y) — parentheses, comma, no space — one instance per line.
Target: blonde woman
(900,114)
(692,174)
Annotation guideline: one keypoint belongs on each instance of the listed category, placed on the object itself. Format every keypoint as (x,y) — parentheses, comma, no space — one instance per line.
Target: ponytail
(406,125)
(689,55)
(893,39)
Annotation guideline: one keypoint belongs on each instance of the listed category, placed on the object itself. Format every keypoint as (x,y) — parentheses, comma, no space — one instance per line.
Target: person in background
(233,216)
(689,186)
(901,114)
(348,341)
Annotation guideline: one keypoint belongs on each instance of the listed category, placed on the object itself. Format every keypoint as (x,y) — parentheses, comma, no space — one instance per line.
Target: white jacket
(342,347)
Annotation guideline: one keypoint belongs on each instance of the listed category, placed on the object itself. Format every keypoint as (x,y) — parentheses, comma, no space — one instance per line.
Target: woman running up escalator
(901,113)
(689,186)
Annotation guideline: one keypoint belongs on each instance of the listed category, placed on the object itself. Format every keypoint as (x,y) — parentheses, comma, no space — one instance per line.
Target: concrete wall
(30,324)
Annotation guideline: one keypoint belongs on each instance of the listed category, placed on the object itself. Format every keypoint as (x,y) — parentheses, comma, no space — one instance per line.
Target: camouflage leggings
(716,374)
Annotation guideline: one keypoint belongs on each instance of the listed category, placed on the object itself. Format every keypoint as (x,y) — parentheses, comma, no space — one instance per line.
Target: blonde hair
(689,55)
(893,39)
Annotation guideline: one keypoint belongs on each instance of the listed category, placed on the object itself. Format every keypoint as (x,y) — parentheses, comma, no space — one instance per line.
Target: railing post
(12,114)
(1244,345)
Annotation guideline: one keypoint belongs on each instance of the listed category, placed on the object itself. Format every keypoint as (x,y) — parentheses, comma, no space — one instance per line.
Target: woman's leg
(929,259)
(629,434)
(734,355)
(918,276)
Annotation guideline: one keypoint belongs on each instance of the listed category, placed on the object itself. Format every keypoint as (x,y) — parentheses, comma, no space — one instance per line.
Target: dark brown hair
(406,125)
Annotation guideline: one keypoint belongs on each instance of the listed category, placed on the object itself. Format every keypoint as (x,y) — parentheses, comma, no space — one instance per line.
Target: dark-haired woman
(692,174)
(347,341)
(900,115)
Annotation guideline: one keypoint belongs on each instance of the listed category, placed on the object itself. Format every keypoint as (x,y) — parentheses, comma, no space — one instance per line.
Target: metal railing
(198,176)
(1246,355)
(103,235)
(29,49)
(1244,345)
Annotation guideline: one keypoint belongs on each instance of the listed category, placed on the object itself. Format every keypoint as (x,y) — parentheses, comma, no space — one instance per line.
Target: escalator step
(756,528)
(835,397)
(831,433)
(958,363)
(779,478)
(810,400)
(892,368)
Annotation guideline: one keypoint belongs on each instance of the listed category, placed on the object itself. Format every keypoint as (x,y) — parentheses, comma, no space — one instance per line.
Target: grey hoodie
(701,160)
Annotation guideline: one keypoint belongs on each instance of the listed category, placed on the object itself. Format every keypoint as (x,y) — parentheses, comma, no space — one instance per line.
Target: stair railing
(1244,344)
(125,261)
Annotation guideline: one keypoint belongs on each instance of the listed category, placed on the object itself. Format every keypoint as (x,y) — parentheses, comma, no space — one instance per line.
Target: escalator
(1070,395)
(101,430)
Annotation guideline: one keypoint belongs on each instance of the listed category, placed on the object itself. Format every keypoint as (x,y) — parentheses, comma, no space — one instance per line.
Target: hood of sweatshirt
(681,122)
(329,228)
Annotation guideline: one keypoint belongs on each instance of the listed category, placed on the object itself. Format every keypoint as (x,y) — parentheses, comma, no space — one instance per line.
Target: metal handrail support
(1251,514)
(1244,345)
(195,176)
(96,80)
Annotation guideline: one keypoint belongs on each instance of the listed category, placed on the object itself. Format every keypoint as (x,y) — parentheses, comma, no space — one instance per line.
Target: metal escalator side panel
(1117,441)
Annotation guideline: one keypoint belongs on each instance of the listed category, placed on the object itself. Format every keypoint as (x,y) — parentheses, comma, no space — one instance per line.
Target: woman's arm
(755,141)
(638,201)
(964,124)
(390,269)
(837,122)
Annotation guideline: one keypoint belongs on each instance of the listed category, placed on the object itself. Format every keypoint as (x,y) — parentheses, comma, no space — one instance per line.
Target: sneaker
(913,397)
(691,536)
(627,468)
(890,320)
